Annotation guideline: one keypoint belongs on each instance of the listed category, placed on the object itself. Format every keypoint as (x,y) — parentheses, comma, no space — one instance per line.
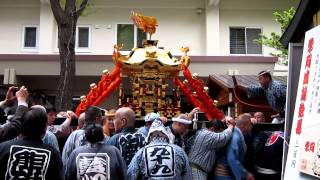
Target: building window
(83,38)
(242,40)
(129,36)
(30,37)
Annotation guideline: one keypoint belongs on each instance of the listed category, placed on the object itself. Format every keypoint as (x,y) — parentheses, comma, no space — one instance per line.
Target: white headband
(151,117)
(180,120)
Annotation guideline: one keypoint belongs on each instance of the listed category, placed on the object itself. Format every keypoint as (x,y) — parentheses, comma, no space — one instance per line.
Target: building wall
(95,68)
(177,27)
(245,18)
(12,20)
(52,67)
(226,68)
(246,13)
(197,24)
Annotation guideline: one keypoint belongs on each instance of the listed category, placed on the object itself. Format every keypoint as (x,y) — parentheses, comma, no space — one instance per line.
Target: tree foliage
(273,40)
(78,3)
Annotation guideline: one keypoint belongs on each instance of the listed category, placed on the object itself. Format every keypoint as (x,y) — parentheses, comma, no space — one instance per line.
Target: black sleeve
(4,147)
(56,170)
(13,128)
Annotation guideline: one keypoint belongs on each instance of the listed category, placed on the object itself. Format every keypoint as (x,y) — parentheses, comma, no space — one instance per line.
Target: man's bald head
(243,122)
(259,116)
(81,120)
(124,117)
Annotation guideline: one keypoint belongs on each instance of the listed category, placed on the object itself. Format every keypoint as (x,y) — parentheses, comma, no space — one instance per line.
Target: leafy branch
(273,40)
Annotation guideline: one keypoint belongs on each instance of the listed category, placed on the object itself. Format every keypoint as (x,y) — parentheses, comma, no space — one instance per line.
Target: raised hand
(22,94)
(10,96)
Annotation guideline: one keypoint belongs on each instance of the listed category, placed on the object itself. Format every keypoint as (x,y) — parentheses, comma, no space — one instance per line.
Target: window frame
(30,49)
(135,36)
(245,40)
(82,49)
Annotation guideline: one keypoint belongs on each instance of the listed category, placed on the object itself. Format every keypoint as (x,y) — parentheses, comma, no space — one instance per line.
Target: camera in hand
(201,120)
(15,91)
(60,120)
(201,117)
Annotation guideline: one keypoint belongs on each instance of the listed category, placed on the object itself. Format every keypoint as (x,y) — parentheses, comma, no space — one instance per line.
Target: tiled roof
(244,80)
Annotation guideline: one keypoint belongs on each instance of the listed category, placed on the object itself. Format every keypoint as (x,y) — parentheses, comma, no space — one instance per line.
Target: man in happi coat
(159,159)
(203,149)
(96,160)
(126,139)
(273,90)
(149,118)
(230,160)
(77,138)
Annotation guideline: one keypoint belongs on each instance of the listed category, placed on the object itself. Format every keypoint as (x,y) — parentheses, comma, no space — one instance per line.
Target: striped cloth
(202,154)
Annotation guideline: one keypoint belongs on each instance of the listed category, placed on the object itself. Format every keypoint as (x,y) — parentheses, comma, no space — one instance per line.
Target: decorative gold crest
(151,53)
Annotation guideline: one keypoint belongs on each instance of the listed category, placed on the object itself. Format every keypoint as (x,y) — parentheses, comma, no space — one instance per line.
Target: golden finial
(185,58)
(185,50)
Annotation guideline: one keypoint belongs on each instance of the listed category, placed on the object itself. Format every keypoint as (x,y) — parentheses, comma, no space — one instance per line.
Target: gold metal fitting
(118,46)
(83,98)
(206,89)
(184,49)
(93,85)
(185,60)
(195,76)
(185,81)
(105,72)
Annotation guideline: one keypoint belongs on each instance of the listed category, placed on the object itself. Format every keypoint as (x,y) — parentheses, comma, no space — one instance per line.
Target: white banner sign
(304,148)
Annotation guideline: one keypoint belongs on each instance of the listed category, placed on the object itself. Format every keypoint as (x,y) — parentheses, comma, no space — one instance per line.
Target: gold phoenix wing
(146,23)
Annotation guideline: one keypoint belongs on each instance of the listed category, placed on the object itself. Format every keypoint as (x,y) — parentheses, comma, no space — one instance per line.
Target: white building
(218,32)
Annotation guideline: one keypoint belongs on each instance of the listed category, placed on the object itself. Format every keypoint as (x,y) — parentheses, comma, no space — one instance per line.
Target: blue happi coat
(160,160)
(232,156)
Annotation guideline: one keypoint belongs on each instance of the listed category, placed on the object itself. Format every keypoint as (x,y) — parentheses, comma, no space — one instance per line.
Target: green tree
(273,40)
(66,14)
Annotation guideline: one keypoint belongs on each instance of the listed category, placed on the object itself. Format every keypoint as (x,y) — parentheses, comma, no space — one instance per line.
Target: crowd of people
(39,143)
